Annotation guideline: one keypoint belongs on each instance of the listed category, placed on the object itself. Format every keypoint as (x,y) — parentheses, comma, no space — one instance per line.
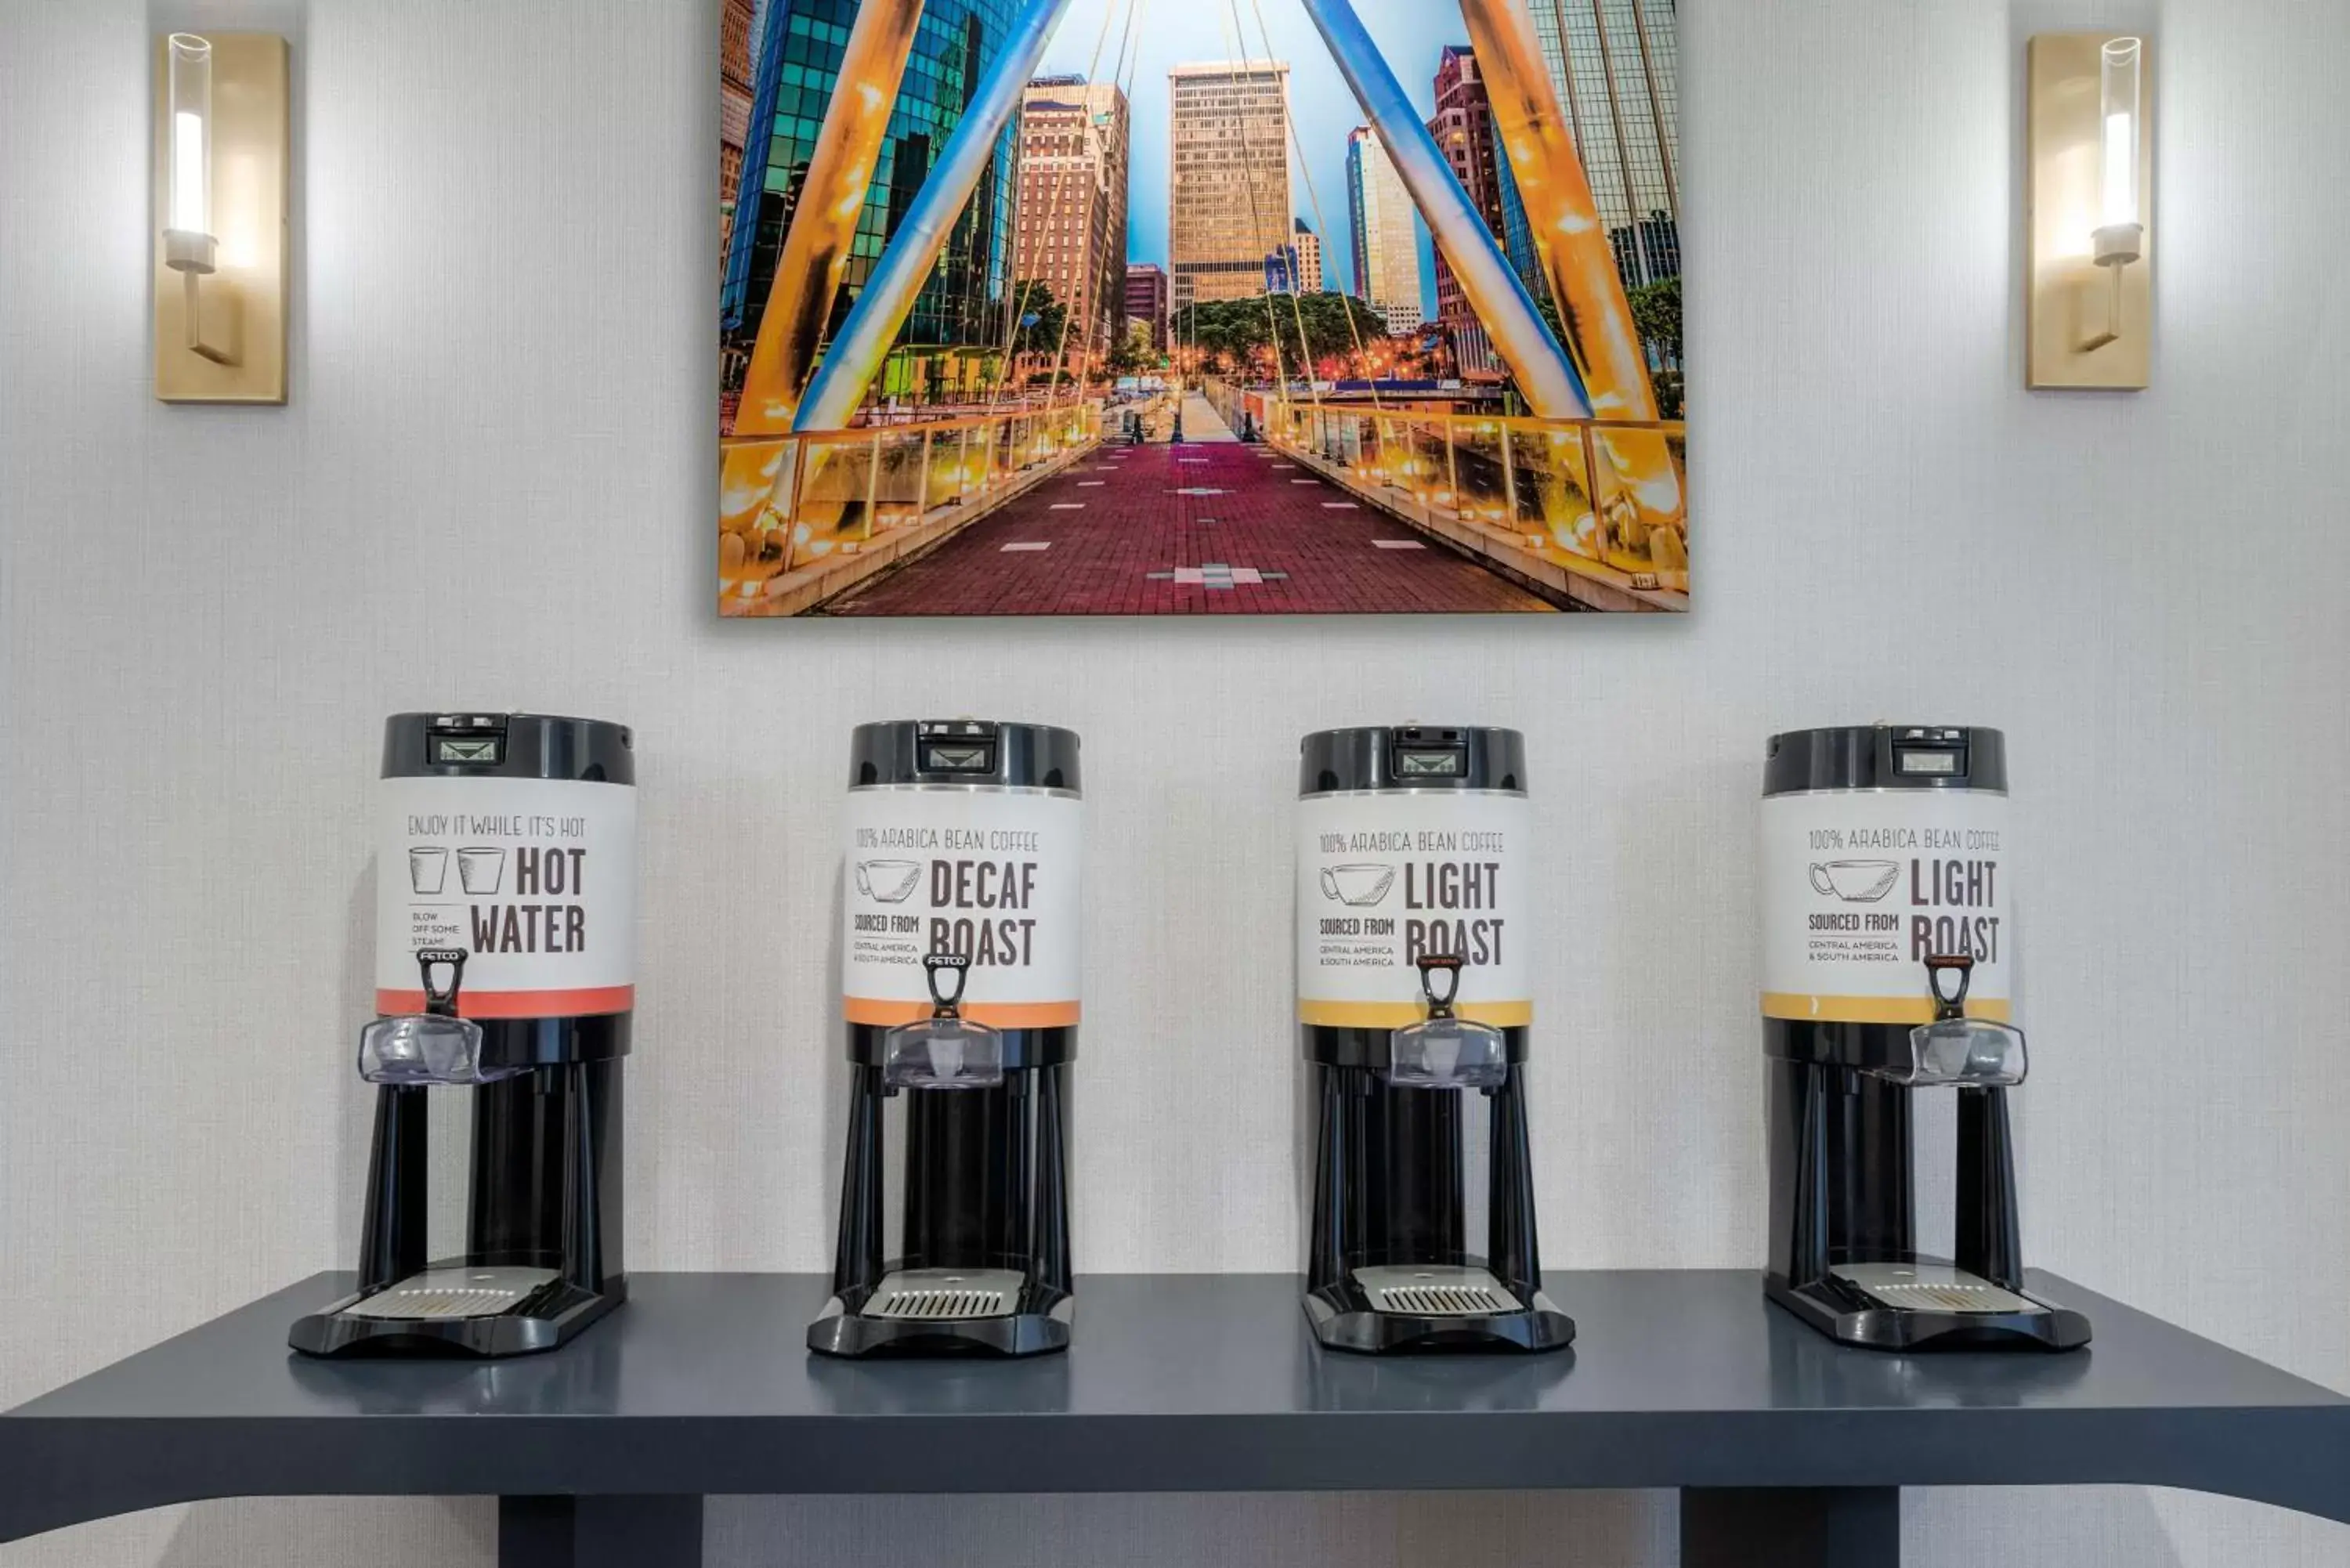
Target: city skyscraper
(1228,197)
(1615,66)
(1464,129)
(1309,259)
(957,320)
(1381,224)
(734,19)
(1146,299)
(1070,230)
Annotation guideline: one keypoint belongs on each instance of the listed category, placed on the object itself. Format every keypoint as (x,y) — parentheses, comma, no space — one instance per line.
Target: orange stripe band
(1874,1009)
(517,1004)
(1396,1014)
(994,1015)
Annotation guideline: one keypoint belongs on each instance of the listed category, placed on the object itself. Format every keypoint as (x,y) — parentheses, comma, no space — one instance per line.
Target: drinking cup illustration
(1855,881)
(888,881)
(1360,886)
(481,869)
(428,867)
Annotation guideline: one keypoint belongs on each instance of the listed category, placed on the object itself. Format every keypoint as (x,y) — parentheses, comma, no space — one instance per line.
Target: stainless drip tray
(440,1294)
(1931,1287)
(1436,1292)
(946,1295)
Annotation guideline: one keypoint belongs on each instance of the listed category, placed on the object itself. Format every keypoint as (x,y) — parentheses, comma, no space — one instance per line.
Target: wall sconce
(2090,295)
(220,174)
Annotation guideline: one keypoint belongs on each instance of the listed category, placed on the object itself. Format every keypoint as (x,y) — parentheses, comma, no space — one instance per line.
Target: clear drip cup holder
(946,1050)
(434,1046)
(1955,1051)
(1444,1050)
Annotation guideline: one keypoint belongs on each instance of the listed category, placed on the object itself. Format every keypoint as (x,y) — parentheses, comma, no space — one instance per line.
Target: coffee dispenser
(505,964)
(1888,941)
(960,991)
(1414,1001)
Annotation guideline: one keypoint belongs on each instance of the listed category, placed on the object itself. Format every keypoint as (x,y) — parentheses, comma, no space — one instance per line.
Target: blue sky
(1409,31)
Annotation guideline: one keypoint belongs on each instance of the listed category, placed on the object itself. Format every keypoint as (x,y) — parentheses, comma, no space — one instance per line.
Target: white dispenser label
(1386,876)
(1861,886)
(993,873)
(534,878)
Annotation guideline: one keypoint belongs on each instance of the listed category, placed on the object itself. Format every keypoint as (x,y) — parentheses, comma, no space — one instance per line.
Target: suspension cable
(1286,245)
(1013,327)
(1248,179)
(1128,51)
(1313,200)
(1085,126)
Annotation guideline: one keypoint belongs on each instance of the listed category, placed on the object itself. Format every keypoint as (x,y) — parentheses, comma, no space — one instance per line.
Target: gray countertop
(1176,1383)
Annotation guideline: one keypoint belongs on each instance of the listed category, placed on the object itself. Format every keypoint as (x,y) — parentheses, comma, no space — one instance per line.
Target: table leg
(1791,1527)
(600,1532)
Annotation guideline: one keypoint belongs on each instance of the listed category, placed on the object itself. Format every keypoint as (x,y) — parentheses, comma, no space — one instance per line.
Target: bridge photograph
(1043,308)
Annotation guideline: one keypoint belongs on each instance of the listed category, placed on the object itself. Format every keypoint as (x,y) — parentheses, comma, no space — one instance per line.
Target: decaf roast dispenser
(960,991)
(1888,869)
(1415,965)
(506,965)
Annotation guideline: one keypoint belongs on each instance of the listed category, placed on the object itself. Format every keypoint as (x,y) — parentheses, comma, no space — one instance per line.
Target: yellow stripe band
(1873,1009)
(1395,1015)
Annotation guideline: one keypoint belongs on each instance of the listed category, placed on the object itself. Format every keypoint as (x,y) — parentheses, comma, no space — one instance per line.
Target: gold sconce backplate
(2088,323)
(220,337)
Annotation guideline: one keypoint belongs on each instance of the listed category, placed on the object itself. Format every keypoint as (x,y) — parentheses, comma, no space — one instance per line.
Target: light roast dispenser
(505,963)
(1414,999)
(959,990)
(1887,953)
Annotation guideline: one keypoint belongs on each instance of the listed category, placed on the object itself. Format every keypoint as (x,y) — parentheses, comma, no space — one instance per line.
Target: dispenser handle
(440,1003)
(1948,1004)
(946,1003)
(1440,995)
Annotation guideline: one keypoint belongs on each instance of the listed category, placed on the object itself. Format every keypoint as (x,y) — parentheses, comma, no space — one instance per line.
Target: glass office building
(798,53)
(1616,66)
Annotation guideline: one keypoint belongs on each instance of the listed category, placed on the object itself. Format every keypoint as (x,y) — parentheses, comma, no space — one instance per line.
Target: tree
(1041,317)
(1125,356)
(1657,318)
(1234,331)
(1657,315)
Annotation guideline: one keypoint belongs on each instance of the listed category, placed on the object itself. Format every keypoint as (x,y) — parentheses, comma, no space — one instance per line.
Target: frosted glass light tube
(2118,108)
(188,202)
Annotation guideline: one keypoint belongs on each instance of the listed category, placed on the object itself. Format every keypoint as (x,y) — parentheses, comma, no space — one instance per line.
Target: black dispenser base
(1343,1318)
(546,1319)
(1039,1325)
(1849,1317)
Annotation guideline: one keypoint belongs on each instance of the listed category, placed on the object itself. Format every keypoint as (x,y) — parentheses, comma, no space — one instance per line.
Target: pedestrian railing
(791,502)
(1572,493)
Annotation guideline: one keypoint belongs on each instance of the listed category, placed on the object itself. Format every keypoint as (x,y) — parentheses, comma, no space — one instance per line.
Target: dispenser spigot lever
(946,998)
(1948,1004)
(1439,994)
(440,1002)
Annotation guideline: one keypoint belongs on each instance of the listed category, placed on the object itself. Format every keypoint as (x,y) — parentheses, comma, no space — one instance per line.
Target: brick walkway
(1201,529)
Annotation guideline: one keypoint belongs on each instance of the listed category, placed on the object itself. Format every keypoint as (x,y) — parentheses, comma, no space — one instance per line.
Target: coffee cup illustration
(428,867)
(1359,886)
(1855,881)
(481,868)
(888,881)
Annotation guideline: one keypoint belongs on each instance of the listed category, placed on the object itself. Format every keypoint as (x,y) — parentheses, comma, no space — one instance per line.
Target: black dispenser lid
(964,752)
(469,744)
(1886,756)
(1413,756)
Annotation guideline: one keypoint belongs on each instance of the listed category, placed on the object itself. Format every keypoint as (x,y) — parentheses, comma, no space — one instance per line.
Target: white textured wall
(492,486)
